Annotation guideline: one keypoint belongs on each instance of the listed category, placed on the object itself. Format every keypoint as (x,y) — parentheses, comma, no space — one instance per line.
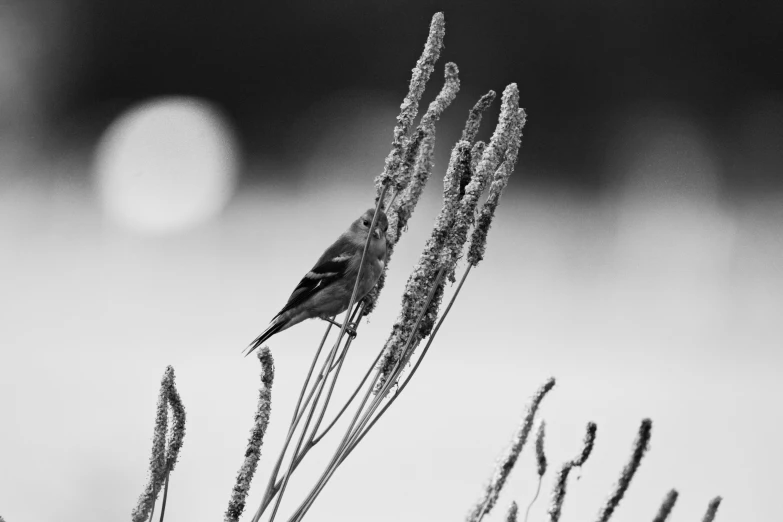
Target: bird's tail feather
(271,330)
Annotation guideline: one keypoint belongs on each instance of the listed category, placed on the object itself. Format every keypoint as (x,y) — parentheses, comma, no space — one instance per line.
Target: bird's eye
(366,223)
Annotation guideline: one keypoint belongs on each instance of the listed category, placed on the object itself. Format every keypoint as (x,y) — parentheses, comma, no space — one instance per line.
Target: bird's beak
(376,233)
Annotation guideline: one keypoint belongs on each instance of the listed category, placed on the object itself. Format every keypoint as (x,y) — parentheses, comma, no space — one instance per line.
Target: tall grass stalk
(163,456)
(541,463)
(712,509)
(439,259)
(559,492)
(508,460)
(236,504)
(666,506)
(640,447)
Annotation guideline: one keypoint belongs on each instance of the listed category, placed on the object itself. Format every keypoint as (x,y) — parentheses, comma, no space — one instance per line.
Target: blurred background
(169,169)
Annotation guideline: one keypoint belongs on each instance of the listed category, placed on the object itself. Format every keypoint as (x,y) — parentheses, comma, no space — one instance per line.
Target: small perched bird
(326,289)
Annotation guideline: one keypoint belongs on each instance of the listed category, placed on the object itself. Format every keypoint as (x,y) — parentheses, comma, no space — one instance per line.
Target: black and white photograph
(364,261)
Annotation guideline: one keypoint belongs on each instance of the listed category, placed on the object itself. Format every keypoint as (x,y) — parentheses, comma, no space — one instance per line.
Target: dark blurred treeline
(578,64)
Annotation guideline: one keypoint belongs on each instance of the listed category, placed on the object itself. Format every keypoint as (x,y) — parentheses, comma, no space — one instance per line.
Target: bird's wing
(332,266)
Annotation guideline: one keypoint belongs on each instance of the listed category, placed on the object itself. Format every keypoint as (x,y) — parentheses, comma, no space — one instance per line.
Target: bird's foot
(350,328)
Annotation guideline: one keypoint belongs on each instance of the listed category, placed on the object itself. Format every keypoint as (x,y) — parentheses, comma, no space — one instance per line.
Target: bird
(326,289)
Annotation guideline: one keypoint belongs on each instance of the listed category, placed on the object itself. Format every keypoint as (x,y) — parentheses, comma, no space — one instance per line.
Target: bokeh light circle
(166,165)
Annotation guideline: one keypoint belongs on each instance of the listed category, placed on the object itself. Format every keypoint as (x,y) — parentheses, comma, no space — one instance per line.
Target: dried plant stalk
(162,459)
(503,147)
(558,494)
(540,455)
(410,105)
(712,509)
(422,278)
(478,240)
(666,506)
(541,463)
(445,96)
(236,504)
(413,173)
(474,116)
(409,161)
(640,447)
(507,461)
(443,248)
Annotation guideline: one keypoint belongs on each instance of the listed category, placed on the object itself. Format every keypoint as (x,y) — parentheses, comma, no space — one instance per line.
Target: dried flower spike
(178,428)
(506,463)
(402,180)
(540,455)
(558,495)
(162,460)
(712,509)
(236,504)
(444,97)
(413,174)
(666,506)
(478,241)
(426,128)
(640,447)
(475,155)
(541,464)
(511,516)
(504,147)
(422,279)
(410,105)
(474,116)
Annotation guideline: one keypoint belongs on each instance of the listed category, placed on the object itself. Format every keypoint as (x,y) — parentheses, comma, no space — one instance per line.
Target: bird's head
(362,225)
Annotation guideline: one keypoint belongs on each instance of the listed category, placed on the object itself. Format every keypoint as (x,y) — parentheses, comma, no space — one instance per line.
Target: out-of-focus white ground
(647,309)
(661,298)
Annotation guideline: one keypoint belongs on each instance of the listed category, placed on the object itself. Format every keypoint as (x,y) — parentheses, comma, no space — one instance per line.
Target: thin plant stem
(359,436)
(351,322)
(349,401)
(339,365)
(326,430)
(400,364)
(310,371)
(152,511)
(415,366)
(332,354)
(165,496)
(273,487)
(339,360)
(351,434)
(541,462)
(329,471)
(301,452)
(294,421)
(535,497)
(378,205)
(318,390)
